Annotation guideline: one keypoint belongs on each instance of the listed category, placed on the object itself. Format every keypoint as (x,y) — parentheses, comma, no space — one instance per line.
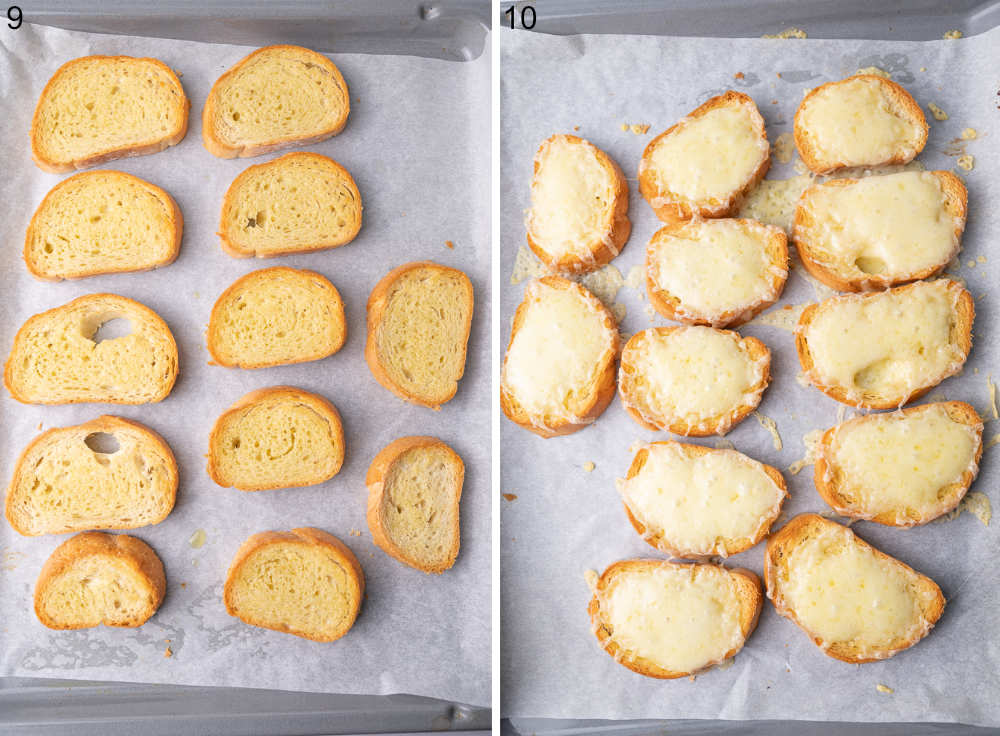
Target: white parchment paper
(417,145)
(566,520)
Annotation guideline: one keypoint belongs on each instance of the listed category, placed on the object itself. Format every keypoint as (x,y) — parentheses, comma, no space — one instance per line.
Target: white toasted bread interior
(668,620)
(692,501)
(880,231)
(414,490)
(99,108)
(96,578)
(276,316)
(578,219)
(693,381)
(558,375)
(716,272)
(278,437)
(855,602)
(864,120)
(884,349)
(901,468)
(102,222)
(65,481)
(56,359)
(303,582)
(704,165)
(277,97)
(299,203)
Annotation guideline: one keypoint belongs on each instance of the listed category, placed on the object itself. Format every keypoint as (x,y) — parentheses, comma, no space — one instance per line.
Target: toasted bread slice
(855,602)
(578,219)
(864,120)
(704,165)
(66,481)
(668,620)
(55,359)
(419,318)
(716,272)
(901,468)
(96,578)
(102,222)
(692,502)
(275,98)
(276,316)
(414,490)
(97,109)
(303,582)
(558,374)
(884,349)
(692,381)
(299,203)
(278,437)
(880,231)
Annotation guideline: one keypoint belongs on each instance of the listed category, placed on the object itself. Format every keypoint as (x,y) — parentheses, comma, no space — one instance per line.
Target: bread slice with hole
(275,98)
(578,219)
(101,222)
(864,120)
(419,319)
(66,481)
(901,468)
(276,316)
(95,578)
(703,166)
(56,360)
(691,380)
(414,489)
(299,203)
(884,349)
(720,273)
(558,375)
(278,437)
(855,602)
(694,502)
(97,109)
(304,582)
(668,620)
(880,231)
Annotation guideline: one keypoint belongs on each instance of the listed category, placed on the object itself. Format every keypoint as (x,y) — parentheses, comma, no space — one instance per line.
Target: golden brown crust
(956,204)
(618,226)
(751,600)
(961,335)
(303,535)
(317,403)
(154,146)
(375,481)
(903,101)
(228,203)
(828,479)
(598,397)
(676,208)
(377,303)
(134,552)
(779,546)
(221,149)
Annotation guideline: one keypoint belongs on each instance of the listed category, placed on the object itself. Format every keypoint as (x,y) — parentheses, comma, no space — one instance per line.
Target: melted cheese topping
(557,351)
(698,502)
(894,226)
(773,201)
(855,123)
(711,156)
(681,617)
(715,267)
(891,343)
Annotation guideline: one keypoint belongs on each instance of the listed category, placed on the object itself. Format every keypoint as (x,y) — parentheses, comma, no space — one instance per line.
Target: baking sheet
(417,145)
(565,520)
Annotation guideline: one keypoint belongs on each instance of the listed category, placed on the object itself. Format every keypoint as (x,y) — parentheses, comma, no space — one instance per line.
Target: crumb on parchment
(937,112)
(884,689)
(875,71)
(639,128)
(625,127)
(787,33)
(589,466)
(966,162)
(970,134)
(509,496)
(952,35)
(738,75)
(168,652)
(576,127)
